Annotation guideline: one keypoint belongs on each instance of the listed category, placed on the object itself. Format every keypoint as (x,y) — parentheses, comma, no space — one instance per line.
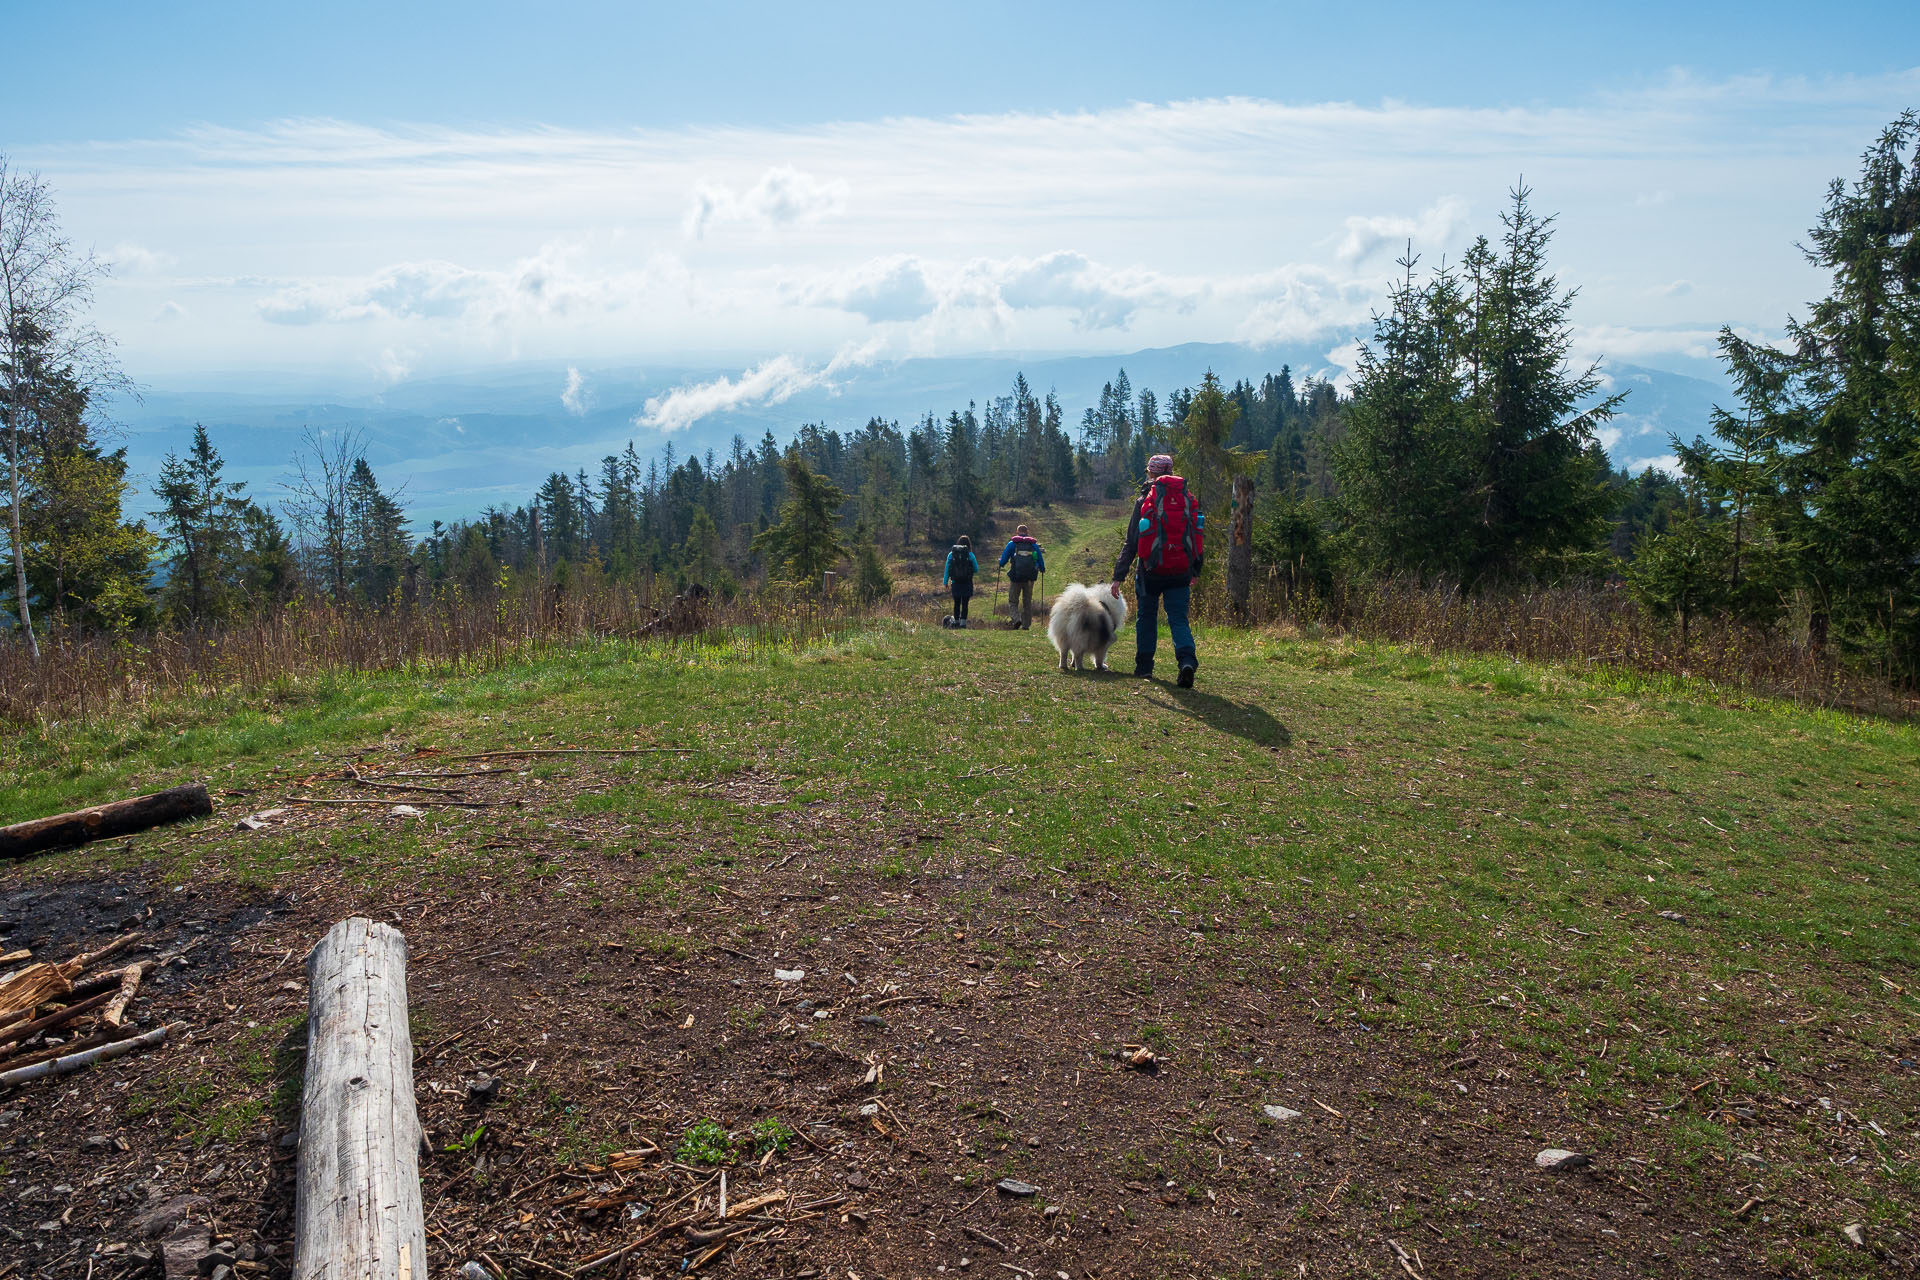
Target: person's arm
(1129,552)
(976,563)
(1040,557)
(1006,555)
(946,569)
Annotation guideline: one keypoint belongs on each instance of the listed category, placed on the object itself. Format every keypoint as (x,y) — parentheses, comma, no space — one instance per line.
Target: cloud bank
(1146,225)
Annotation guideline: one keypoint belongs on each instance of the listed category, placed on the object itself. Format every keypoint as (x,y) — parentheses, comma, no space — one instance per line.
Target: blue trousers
(1152,593)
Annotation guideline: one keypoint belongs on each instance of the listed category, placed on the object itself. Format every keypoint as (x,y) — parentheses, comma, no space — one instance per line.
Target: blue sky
(790,192)
(143,67)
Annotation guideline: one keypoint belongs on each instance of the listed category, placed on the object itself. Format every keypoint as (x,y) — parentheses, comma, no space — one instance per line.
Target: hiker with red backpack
(1166,535)
(1024,562)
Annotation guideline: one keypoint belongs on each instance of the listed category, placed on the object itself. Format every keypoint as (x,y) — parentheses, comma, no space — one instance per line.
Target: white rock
(1556,1158)
(1278,1112)
(1855,1236)
(790,975)
(407,811)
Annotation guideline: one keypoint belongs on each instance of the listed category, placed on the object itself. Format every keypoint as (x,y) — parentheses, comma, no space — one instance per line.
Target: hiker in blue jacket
(1029,561)
(958,574)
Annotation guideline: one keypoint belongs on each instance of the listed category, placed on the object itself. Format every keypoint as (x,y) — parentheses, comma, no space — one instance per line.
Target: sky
(368,193)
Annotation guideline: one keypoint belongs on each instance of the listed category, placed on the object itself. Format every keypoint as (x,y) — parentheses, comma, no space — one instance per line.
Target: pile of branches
(54,1018)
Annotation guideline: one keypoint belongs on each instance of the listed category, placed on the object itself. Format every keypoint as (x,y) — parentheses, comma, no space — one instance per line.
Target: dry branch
(75,1061)
(16,1035)
(104,821)
(129,983)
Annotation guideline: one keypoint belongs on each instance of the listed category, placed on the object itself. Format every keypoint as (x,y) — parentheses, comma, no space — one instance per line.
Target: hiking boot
(1143,669)
(1186,677)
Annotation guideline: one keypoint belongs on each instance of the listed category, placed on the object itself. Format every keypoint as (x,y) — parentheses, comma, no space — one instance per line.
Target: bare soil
(620,983)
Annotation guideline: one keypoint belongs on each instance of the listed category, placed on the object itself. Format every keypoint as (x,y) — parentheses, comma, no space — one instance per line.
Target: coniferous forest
(1463,458)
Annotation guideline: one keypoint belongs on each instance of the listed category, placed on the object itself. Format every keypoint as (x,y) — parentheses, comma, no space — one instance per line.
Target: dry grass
(88,674)
(1597,626)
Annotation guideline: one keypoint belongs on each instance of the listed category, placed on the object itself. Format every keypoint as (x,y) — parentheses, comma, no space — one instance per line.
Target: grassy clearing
(1639,890)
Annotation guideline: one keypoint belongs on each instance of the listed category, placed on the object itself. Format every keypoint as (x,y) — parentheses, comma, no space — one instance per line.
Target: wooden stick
(129,984)
(451,804)
(575,751)
(357,1208)
(17,1034)
(359,781)
(75,1061)
(104,821)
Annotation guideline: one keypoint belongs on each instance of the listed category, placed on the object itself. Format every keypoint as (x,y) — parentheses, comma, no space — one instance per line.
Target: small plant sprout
(771,1134)
(705,1142)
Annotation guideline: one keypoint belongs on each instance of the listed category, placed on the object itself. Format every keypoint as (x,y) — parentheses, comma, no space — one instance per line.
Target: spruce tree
(1838,426)
(806,542)
(203,519)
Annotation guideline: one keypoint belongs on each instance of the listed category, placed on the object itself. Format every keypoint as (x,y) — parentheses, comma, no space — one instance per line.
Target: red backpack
(1170,528)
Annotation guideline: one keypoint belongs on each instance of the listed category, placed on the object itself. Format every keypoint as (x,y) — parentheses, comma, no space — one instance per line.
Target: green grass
(1463,847)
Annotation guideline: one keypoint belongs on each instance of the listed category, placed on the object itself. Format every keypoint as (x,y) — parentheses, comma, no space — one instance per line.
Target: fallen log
(104,821)
(75,1061)
(357,1208)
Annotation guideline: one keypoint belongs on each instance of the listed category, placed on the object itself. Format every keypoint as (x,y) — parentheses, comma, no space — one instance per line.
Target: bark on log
(357,1213)
(104,821)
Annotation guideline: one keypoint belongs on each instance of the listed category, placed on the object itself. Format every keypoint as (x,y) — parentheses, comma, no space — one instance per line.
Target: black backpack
(960,565)
(1025,564)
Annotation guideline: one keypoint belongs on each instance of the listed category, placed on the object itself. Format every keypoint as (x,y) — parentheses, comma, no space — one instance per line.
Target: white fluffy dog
(1084,622)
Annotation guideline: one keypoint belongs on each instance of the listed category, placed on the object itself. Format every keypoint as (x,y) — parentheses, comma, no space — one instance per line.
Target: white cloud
(439,290)
(127,258)
(1436,228)
(1299,302)
(1672,289)
(1145,225)
(903,287)
(768,383)
(783,197)
(1665,463)
(395,363)
(169,312)
(573,398)
(896,287)
(1345,362)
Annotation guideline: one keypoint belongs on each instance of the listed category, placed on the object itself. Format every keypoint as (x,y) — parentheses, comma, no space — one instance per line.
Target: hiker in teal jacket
(958,574)
(1029,562)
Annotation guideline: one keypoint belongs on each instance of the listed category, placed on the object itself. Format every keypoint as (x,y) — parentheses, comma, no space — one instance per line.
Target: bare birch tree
(45,291)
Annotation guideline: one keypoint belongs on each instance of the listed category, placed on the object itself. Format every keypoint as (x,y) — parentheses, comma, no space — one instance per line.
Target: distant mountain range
(458,443)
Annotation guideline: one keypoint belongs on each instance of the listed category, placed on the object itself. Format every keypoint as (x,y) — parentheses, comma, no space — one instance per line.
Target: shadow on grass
(1241,719)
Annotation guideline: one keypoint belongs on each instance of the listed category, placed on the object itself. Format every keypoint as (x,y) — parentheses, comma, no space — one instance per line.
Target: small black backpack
(960,566)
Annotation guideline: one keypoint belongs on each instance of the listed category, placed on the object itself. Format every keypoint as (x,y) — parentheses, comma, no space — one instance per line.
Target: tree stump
(357,1212)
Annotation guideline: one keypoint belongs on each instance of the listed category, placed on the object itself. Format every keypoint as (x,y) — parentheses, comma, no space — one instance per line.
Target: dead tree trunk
(357,1213)
(104,821)
(1240,550)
